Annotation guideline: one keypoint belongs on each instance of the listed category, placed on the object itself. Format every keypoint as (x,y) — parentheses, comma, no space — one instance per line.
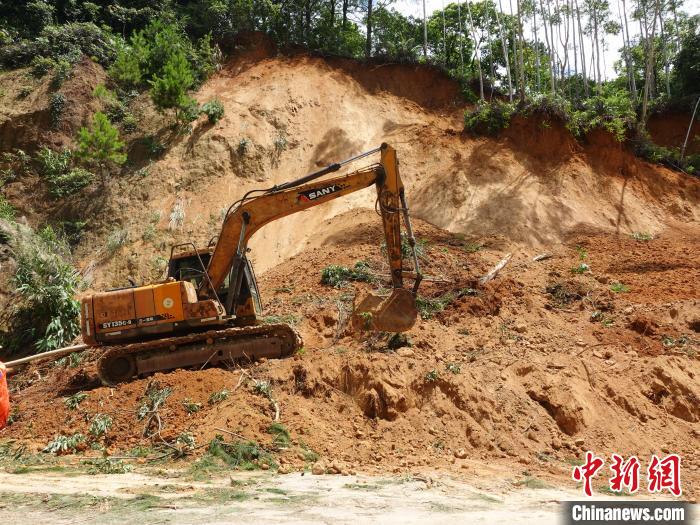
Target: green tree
(687,63)
(100,144)
(169,90)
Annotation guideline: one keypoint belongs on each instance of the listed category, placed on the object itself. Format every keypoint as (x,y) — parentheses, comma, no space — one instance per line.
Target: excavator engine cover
(396,313)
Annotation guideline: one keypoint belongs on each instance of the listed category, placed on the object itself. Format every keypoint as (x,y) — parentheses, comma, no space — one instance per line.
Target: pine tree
(101,143)
(169,91)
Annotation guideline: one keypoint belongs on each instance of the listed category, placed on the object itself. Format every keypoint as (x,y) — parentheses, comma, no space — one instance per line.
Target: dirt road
(266,498)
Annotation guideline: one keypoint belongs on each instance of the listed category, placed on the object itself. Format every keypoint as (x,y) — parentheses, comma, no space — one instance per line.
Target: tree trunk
(368,45)
(628,54)
(476,51)
(573,39)
(649,68)
(583,50)
(538,65)
(425,33)
(597,48)
(549,48)
(521,57)
(505,50)
(461,37)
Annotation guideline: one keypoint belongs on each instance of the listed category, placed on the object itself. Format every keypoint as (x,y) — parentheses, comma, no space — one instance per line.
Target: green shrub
(214,110)
(243,145)
(613,111)
(70,183)
(57,104)
(246,455)
(218,397)
(189,111)
(548,107)
(66,41)
(429,306)
(154,146)
(55,168)
(45,312)
(41,66)
(488,118)
(99,425)
(169,88)
(337,276)
(191,407)
(62,72)
(280,435)
(51,163)
(129,123)
(100,144)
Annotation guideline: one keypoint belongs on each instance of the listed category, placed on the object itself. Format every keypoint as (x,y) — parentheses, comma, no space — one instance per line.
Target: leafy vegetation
(245,455)
(73,402)
(190,406)
(219,396)
(338,276)
(429,306)
(280,435)
(64,444)
(618,287)
(57,104)
(100,143)
(46,312)
(214,110)
(99,425)
(488,118)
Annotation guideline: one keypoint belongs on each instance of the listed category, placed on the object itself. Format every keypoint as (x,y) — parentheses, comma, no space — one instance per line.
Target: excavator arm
(250,214)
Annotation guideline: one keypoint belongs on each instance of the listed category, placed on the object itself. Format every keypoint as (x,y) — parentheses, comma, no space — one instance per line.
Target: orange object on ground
(4,397)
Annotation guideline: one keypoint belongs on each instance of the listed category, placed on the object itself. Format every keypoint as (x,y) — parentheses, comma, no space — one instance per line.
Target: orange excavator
(206,311)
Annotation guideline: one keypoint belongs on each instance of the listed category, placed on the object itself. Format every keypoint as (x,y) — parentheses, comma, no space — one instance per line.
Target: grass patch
(280,435)
(290,319)
(618,287)
(218,397)
(429,306)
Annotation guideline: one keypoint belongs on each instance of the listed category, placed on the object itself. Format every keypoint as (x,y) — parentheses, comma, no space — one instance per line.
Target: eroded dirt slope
(288,116)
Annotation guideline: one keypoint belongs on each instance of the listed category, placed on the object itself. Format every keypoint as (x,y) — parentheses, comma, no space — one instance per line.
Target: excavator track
(123,362)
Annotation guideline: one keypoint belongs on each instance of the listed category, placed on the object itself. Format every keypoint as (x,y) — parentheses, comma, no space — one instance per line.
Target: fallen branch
(542,257)
(59,352)
(494,271)
(234,434)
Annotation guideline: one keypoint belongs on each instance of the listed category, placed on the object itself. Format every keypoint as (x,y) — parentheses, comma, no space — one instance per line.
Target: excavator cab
(189,264)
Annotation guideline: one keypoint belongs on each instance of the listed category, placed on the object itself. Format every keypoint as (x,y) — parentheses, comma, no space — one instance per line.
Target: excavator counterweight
(206,311)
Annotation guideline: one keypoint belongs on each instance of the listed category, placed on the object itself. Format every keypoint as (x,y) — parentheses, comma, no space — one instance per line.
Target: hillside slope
(288,116)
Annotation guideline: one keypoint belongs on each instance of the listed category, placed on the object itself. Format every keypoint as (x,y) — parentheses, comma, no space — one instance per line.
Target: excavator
(207,310)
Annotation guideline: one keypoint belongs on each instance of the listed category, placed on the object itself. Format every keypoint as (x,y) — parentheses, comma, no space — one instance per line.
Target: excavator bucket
(396,313)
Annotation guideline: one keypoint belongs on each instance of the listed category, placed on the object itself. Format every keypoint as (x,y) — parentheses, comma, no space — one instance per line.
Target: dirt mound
(500,373)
